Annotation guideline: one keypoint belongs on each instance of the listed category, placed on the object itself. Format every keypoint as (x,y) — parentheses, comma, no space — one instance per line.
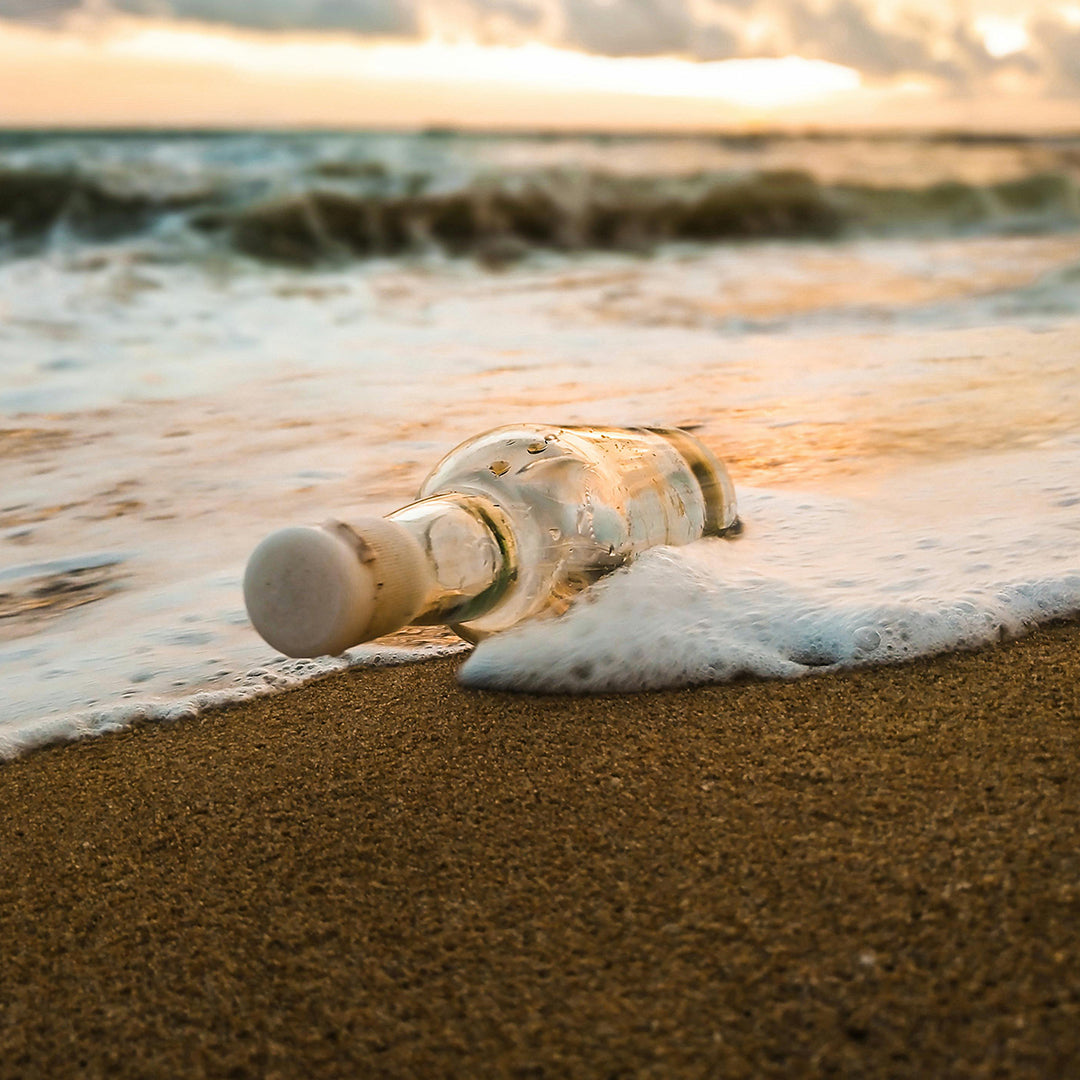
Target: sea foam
(818,583)
(275,677)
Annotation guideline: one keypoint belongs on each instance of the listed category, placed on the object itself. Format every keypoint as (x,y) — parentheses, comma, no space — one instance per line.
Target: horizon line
(748,130)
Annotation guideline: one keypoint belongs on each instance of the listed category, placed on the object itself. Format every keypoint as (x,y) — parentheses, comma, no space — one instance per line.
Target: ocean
(205,336)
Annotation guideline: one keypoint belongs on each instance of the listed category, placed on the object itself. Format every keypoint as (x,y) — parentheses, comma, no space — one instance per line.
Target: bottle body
(564,505)
(509,526)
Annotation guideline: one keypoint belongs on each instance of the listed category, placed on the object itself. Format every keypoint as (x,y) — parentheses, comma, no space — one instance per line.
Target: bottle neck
(471,552)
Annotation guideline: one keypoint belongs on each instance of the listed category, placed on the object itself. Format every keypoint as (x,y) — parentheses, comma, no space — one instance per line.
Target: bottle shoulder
(500,461)
(572,466)
(580,502)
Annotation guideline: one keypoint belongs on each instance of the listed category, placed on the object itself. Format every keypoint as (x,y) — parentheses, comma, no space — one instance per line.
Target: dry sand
(874,873)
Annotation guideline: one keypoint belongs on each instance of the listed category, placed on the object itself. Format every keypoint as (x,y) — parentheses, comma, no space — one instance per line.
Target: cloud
(516,11)
(1057,46)
(652,27)
(845,34)
(915,41)
(360,16)
(36,10)
(489,22)
(939,40)
(628,27)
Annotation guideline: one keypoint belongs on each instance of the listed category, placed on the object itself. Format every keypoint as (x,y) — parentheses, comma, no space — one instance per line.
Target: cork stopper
(319,591)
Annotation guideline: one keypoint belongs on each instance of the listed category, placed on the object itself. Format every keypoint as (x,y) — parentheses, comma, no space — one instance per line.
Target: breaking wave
(281,201)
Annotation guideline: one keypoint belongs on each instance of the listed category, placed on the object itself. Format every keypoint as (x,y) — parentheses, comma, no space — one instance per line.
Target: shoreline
(383,874)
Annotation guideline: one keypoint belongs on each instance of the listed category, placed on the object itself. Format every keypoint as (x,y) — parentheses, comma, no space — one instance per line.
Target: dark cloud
(360,16)
(845,34)
(714,42)
(629,27)
(649,28)
(36,10)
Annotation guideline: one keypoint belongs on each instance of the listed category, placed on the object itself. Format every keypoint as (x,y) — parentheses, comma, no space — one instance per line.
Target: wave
(344,211)
(34,204)
(814,584)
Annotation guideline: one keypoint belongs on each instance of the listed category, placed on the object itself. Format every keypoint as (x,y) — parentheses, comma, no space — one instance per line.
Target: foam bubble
(813,584)
(278,675)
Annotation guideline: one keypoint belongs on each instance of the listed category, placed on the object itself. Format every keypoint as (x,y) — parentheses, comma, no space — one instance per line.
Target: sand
(875,873)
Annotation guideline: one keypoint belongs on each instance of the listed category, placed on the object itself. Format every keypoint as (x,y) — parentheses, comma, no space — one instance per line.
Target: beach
(798,801)
(207,336)
(871,872)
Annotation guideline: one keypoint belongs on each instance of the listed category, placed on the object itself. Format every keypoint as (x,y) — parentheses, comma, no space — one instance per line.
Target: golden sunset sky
(615,64)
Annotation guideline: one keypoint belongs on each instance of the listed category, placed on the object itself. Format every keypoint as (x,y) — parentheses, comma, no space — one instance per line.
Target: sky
(620,64)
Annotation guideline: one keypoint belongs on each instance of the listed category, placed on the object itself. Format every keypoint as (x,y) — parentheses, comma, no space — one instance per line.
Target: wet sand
(875,873)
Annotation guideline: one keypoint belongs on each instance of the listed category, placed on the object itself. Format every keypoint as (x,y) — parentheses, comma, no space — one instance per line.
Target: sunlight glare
(754,83)
(1001,36)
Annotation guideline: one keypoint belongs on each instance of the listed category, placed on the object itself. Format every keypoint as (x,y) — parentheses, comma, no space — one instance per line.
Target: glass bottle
(510,525)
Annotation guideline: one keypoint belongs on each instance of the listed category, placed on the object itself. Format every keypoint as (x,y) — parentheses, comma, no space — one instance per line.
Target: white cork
(319,591)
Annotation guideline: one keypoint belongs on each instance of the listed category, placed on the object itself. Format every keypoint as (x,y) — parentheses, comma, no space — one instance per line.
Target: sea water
(898,401)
